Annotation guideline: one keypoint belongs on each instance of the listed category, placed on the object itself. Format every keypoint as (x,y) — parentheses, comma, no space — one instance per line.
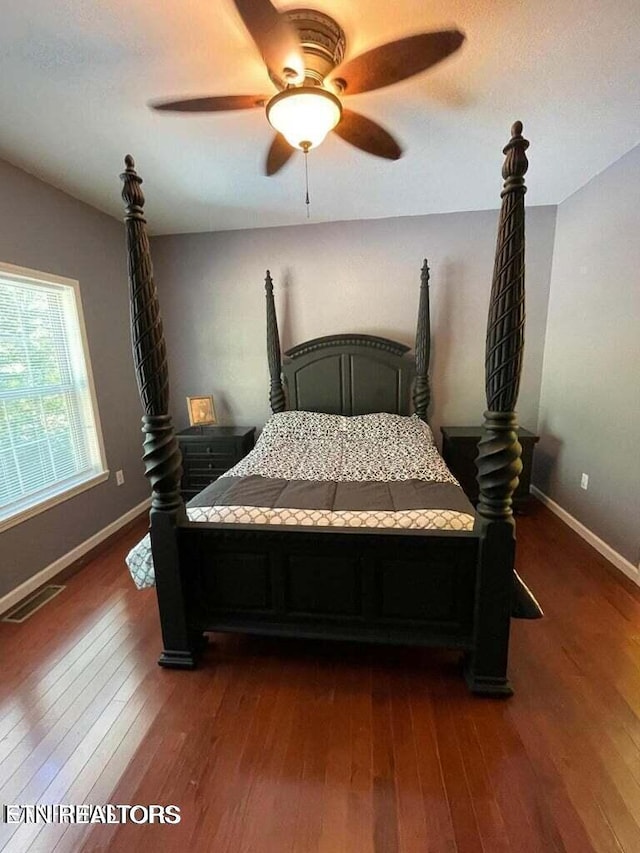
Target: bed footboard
(395,586)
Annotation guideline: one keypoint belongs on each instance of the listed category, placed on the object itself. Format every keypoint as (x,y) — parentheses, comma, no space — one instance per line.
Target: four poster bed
(343,523)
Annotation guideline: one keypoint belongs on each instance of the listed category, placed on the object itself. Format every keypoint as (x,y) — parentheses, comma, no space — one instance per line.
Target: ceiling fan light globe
(304,115)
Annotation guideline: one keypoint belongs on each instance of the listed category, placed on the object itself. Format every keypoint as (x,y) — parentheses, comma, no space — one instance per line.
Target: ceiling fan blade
(213,104)
(367,135)
(279,154)
(276,39)
(389,63)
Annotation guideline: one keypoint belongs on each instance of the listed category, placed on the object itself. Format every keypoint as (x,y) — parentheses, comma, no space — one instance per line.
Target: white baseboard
(33,583)
(600,545)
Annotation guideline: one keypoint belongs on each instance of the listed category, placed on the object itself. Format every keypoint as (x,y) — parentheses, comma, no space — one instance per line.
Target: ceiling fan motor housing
(322,41)
(303,49)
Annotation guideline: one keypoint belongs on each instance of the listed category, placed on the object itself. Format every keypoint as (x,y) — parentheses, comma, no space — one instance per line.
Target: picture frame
(201,411)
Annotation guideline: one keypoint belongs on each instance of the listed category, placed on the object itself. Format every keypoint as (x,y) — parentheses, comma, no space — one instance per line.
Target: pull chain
(306,178)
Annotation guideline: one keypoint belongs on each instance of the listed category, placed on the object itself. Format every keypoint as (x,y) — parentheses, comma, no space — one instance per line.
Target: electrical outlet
(584,481)
(120,478)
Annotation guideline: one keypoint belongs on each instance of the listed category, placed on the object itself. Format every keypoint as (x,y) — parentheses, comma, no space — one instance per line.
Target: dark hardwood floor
(275,746)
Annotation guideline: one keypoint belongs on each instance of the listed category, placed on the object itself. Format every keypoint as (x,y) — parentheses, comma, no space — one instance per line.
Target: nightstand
(460,448)
(209,451)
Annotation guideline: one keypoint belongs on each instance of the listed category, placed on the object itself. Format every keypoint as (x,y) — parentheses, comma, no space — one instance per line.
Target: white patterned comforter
(306,446)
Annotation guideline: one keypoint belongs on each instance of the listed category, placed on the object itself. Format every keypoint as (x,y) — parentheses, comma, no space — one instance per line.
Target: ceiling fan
(304,53)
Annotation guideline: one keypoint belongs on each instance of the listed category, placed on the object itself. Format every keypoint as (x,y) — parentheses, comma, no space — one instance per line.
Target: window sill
(53,500)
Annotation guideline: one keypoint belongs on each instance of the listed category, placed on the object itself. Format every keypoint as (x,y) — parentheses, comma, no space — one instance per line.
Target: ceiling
(76,77)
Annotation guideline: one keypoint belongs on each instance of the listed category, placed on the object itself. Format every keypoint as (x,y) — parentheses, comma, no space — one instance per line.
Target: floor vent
(35,602)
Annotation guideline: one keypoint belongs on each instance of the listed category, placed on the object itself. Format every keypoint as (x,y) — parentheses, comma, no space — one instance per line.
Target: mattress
(374,471)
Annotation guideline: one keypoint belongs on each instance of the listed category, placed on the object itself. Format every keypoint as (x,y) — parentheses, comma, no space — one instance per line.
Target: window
(50,440)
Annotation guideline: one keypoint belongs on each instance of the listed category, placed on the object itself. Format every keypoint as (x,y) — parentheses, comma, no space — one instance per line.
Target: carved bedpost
(498,460)
(421,389)
(162,458)
(276,391)
(499,451)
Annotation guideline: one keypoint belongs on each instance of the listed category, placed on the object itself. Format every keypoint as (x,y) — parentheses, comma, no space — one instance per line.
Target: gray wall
(360,276)
(44,229)
(590,401)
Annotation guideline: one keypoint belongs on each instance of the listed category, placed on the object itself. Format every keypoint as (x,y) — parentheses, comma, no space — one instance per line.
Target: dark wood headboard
(349,375)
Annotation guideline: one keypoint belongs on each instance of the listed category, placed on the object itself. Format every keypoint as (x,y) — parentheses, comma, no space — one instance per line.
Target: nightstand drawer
(217,460)
(200,468)
(208,452)
(210,447)
(200,479)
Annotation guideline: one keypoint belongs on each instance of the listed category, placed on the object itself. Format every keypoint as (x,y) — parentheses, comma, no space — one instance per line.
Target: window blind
(48,436)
